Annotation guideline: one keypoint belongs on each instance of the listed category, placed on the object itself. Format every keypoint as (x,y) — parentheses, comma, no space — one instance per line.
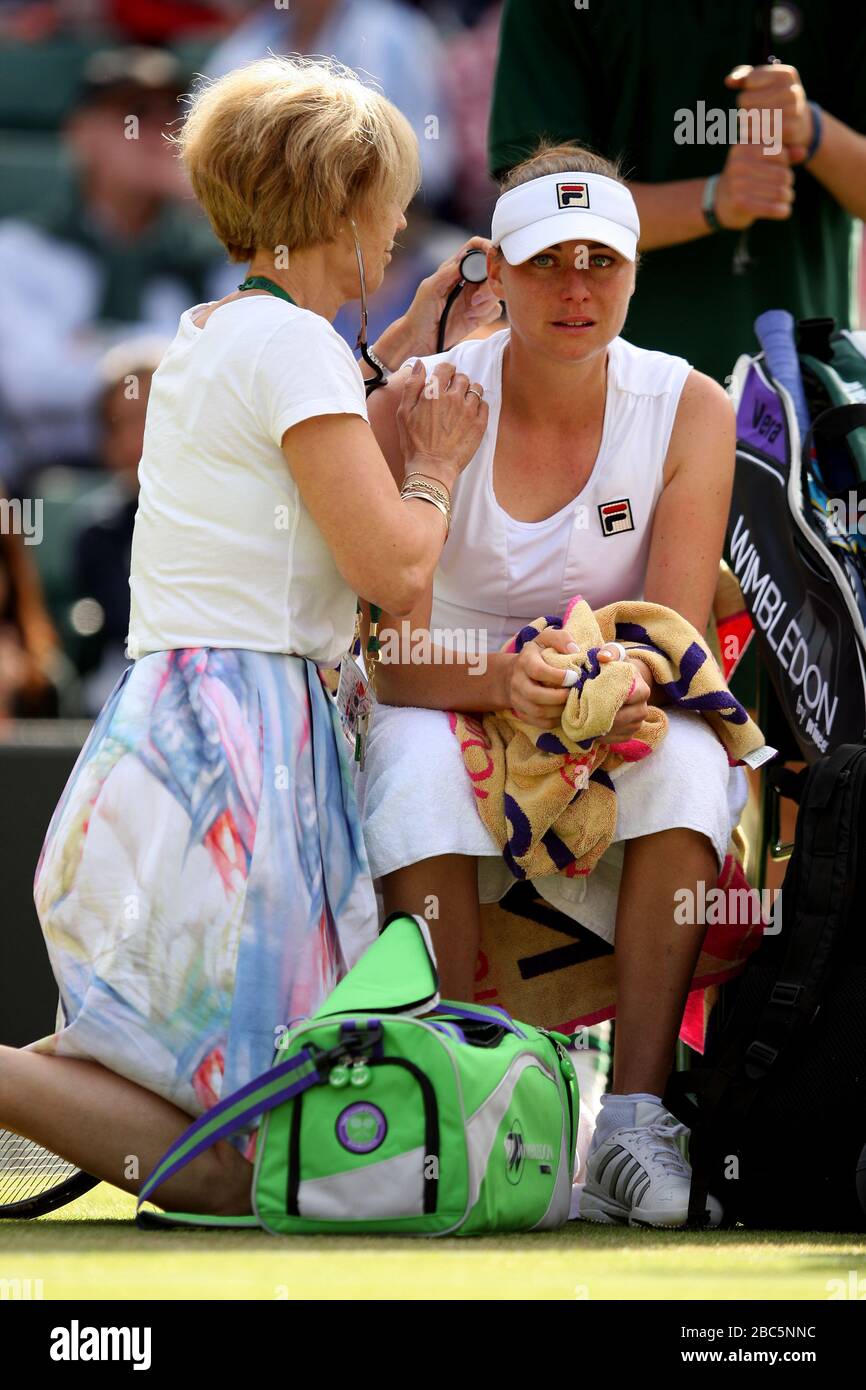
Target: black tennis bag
(778,1108)
(797,530)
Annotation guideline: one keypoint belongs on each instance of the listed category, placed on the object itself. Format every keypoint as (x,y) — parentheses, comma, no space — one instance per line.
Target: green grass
(91,1249)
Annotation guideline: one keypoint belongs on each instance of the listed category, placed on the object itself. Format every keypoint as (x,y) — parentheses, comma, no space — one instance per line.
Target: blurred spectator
(380,39)
(621,75)
(36,680)
(143,21)
(470,68)
(102,543)
(120,255)
(32,21)
(160,21)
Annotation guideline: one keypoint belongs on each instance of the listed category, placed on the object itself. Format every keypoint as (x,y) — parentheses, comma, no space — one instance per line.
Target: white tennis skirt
(416,801)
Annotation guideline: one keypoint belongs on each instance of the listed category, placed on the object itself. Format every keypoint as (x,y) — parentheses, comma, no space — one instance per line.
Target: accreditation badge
(354,705)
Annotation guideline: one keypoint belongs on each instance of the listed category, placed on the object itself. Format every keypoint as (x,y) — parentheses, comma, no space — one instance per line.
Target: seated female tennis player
(579,419)
(203,879)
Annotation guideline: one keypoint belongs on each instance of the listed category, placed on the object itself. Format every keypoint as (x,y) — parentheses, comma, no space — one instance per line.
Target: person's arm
(689,523)
(670,213)
(751,185)
(688,531)
(433,684)
(385,548)
(839,163)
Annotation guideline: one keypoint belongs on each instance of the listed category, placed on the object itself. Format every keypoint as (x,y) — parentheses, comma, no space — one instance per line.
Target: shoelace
(653,1139)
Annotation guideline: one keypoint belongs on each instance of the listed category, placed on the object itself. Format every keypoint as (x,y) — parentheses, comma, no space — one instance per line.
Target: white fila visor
(565,207)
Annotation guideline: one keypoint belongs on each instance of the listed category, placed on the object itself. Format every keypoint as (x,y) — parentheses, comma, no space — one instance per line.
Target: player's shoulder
(643,371)
(469,355)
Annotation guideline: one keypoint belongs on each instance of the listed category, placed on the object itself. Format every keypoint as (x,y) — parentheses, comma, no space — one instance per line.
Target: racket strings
(27,1169)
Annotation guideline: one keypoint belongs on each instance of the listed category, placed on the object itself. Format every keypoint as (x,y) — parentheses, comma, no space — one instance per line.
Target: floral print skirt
(203,880)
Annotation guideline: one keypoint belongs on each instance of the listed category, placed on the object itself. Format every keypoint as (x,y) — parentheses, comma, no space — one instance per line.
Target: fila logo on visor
(572,195)
(616,516)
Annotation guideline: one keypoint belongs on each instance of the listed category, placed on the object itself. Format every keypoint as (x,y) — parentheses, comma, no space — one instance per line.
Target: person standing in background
(385,40)
(36,680)
(105,518)
(727,230)
(122,251)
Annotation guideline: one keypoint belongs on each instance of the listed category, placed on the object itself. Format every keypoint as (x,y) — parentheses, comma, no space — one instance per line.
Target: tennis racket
(34,1181)
(776,331)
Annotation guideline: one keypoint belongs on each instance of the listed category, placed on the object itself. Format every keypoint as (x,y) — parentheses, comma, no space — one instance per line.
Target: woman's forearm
(440,678)
(840,164)
(670,213)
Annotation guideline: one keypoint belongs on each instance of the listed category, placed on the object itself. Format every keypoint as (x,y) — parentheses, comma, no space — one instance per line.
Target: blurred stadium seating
(38,84)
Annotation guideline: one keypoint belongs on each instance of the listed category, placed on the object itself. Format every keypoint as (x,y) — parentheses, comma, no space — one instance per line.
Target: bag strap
(826,841)
(281,1083)
(488,1013)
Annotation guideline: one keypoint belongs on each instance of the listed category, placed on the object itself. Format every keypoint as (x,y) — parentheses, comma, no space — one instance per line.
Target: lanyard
(261,282)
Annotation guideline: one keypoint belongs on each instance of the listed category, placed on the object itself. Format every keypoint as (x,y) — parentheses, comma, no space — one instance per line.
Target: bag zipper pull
(360,1073)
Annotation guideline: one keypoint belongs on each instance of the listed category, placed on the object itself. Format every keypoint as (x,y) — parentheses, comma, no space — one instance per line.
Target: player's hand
(631,715)
(777,87)
(535,691)
(440,421)
(474,306)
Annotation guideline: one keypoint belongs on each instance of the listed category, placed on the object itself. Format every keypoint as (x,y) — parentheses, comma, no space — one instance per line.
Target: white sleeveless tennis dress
(497,574)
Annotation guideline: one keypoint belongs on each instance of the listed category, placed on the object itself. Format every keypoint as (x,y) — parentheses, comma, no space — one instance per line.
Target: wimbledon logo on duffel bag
(814,703)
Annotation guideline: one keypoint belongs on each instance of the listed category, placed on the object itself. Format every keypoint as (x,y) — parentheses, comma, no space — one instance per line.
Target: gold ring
(473,391)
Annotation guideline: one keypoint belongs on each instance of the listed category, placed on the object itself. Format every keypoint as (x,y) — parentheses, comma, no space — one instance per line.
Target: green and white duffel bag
(377,1120)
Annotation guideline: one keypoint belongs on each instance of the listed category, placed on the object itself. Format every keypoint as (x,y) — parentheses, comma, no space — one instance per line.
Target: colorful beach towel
(547,796)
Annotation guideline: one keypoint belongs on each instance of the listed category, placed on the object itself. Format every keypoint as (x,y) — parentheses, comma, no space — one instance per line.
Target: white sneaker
(638,1175)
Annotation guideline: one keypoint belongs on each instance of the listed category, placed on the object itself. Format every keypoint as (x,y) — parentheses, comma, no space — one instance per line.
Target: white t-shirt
(224,552)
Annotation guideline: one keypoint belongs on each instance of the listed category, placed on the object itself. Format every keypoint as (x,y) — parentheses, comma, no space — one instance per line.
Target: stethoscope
(473,271)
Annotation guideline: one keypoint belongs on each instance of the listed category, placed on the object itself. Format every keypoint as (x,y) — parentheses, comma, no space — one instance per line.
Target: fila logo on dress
(572,195)
(615,516)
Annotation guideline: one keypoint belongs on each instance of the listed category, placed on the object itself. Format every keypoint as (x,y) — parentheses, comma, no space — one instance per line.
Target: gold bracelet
(435,482)
(434,501)
(421,490)
(418,490)
(433,489)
